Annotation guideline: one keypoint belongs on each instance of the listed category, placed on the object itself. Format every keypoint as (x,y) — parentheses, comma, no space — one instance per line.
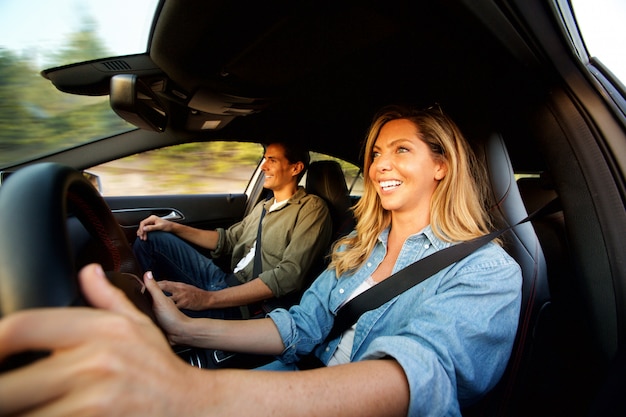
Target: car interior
(546,127)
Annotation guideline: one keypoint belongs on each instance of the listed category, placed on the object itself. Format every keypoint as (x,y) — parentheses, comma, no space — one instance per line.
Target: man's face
(279,173)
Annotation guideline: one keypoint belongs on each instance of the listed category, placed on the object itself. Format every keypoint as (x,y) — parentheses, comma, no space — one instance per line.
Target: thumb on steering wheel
(170,318)
(100,293)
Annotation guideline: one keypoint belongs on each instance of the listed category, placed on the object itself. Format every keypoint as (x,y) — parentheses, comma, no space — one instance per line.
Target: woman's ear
(441,171)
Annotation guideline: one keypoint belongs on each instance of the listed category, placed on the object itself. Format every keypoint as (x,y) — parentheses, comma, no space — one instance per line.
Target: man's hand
(187,296)
(152,224)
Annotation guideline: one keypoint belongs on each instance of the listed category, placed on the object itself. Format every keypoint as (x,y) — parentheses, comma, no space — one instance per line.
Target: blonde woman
(427,352)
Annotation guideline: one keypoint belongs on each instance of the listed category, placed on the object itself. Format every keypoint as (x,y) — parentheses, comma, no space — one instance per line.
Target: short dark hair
(295,152)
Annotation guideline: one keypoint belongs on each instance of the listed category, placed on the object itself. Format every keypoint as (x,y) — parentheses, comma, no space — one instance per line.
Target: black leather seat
(523,245)
(326,179)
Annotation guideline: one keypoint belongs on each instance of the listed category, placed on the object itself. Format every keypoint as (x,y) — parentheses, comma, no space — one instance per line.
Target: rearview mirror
(136,101)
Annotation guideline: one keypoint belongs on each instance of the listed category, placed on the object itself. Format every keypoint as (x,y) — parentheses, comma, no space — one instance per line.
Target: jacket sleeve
(310,237)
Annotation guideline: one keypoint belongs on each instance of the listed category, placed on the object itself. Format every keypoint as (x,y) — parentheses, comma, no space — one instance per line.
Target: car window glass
(36,118)
(601,25)
(195,168)
(191,168)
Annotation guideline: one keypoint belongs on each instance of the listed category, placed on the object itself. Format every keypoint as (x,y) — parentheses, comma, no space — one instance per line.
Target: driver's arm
(114,361)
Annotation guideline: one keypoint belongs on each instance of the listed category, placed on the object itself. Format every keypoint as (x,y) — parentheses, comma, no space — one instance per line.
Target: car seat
(523,245)
(326,180)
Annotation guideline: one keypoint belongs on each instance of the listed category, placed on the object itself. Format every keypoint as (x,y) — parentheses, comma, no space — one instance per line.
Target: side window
(191,168)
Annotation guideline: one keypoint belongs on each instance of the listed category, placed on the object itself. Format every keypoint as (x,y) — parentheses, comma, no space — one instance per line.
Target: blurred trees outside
(36,118)
(189,168)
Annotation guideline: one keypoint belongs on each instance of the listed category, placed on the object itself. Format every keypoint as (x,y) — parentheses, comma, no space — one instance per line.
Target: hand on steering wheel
(37,266)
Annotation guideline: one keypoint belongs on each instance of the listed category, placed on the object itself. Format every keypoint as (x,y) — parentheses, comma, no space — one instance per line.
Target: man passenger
(296,230)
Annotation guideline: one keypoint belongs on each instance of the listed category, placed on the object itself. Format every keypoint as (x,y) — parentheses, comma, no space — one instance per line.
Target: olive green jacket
(294,237)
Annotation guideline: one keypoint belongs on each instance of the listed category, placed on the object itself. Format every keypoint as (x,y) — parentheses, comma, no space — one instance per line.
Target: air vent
(117,65)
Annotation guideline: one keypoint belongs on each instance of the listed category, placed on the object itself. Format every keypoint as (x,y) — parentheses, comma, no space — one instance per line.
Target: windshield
(35,117)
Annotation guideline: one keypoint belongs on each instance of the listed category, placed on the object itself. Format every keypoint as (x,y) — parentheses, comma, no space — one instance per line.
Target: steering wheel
(37,266)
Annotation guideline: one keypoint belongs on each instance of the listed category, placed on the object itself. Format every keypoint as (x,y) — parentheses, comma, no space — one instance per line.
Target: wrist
(198,332)
(183,334)
(173,227)
(211,299)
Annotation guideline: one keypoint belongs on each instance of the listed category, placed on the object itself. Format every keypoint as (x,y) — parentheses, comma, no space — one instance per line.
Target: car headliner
(317,71)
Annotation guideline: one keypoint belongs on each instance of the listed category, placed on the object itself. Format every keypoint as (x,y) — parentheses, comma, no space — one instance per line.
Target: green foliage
(83,45)
(35,118)
(12,72)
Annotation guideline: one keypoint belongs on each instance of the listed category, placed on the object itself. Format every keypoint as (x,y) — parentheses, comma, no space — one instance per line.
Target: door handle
(173,215)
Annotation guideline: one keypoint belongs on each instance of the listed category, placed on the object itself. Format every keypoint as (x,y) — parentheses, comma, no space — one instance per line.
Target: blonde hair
(458,206)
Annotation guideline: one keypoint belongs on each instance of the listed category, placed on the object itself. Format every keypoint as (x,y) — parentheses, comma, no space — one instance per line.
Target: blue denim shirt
(452,334)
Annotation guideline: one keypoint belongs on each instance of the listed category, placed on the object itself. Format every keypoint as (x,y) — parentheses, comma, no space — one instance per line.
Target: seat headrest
(326,179)
(507,203)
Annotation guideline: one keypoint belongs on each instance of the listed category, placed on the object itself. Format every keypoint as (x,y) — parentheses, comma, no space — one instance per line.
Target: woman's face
(403,169)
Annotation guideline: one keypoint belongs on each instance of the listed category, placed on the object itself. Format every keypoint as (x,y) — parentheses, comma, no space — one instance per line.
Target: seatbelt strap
(258,268)
(410,276)
(248,311)
(231,279)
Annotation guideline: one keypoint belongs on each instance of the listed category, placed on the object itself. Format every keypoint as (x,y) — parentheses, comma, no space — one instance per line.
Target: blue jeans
(173,259)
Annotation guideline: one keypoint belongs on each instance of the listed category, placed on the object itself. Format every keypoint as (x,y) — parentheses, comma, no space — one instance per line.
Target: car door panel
(200,211)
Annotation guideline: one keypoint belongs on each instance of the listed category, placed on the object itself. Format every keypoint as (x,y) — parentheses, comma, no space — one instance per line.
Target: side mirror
(94,180)
(135,101)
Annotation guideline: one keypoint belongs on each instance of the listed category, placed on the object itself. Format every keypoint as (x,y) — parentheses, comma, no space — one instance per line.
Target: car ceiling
(316,71)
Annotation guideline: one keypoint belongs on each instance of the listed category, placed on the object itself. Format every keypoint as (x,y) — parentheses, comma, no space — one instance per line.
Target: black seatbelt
(408,277)
(257,268)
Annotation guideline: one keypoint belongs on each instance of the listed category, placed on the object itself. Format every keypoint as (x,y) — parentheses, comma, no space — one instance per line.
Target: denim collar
(426,233)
